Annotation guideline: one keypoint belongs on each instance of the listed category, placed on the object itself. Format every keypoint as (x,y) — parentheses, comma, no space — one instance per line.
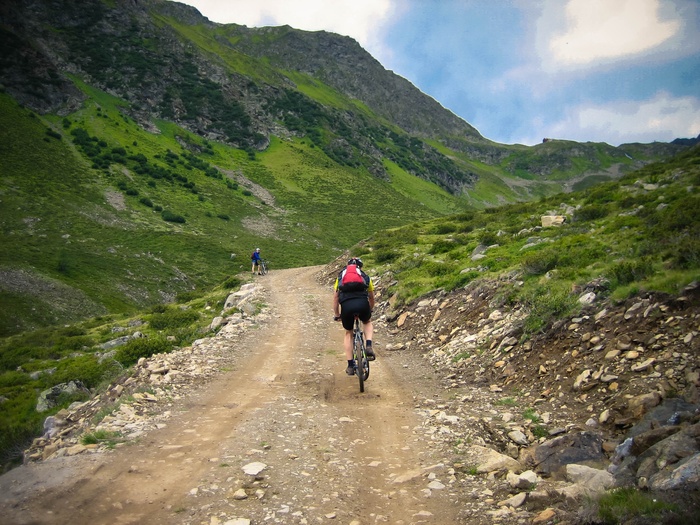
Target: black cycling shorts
(356,305)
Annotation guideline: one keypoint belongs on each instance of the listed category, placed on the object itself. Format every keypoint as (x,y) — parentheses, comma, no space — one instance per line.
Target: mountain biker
(255,258)
(347,304)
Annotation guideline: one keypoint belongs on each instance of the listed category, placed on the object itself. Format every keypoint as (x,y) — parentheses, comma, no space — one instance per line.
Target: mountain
(146,151)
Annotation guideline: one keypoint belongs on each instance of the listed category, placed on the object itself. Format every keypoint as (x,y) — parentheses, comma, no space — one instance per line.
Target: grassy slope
(57,219)
(639,233)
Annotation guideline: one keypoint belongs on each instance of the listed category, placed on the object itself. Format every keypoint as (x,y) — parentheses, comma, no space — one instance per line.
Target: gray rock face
(551,457)
(48,398)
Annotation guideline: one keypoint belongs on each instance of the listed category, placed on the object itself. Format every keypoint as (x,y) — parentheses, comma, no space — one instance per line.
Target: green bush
(436,269)
(442,246)
(86,369)
(625,272)
(135,349)
(171,217)
(590,213)
(487,238)
(173,318)
(186,297)
(231,283)
(382,256)
(445,228)
(540,262)
(546,303)
(461,280)
(685,254)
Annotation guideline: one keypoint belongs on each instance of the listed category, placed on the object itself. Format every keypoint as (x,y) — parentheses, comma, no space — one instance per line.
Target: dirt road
(326,453)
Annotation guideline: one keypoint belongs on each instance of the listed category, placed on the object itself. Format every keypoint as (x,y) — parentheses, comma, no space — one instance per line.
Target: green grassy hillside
(100,215)
(640,233)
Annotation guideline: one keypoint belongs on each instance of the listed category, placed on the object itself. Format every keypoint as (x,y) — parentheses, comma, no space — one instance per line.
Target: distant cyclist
(255,258)
(354,295)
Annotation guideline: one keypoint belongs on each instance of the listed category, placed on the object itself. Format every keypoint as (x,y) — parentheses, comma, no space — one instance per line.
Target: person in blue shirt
(255,258)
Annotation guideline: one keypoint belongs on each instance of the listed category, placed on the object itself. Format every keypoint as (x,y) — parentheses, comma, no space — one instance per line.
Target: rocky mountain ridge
(243,86)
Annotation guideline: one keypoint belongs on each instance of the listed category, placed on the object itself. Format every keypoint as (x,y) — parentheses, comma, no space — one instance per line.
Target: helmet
(357,261)
(257,249)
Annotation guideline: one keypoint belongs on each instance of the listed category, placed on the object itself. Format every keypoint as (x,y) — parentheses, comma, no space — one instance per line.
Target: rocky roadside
(605,399)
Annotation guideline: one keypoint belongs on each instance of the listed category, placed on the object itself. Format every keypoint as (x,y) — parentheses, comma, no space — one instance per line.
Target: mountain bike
(263,266)
(358,354)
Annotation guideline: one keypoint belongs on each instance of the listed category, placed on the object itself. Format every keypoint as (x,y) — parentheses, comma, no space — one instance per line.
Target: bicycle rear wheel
(358,354)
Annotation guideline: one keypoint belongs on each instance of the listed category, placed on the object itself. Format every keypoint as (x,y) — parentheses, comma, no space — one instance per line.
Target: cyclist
(348,301)
(255,258)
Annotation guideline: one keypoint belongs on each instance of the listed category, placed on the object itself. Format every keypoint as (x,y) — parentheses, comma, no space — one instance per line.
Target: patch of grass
(624,504)
(539,431)
(461,356)
(110,439)
(506,401)
(531,414)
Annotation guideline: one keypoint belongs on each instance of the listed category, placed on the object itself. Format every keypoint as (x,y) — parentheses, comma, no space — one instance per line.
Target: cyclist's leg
(368,329)
(347,317)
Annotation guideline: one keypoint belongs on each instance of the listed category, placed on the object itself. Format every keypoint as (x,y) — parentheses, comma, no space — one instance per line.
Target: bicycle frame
(358,354)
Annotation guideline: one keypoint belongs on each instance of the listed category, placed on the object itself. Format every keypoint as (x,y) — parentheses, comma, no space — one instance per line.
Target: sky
(614,71)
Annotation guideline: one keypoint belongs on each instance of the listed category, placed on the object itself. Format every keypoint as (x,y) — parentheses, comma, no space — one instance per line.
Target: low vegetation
(37,360)
(640,233)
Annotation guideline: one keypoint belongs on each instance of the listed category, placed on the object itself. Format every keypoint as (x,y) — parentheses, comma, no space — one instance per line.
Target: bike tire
(263,266)
(357,354)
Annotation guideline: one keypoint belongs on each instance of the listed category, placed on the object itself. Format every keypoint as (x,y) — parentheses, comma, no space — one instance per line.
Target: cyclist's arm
(336,300)
(370,296)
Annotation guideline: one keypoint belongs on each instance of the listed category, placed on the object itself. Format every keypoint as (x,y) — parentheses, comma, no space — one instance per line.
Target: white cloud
(604,29)
(359,19)
(662,118)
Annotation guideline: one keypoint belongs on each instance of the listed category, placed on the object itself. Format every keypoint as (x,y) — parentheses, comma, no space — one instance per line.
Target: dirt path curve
(328,454)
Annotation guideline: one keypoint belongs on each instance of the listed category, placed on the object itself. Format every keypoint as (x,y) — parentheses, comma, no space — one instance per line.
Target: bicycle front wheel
(264,268)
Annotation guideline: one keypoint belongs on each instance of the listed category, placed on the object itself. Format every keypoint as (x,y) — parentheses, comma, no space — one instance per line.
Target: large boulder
(49,398)
(551,457)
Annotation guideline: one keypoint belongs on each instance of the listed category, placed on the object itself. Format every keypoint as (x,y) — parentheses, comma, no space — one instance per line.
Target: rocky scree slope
(608,398)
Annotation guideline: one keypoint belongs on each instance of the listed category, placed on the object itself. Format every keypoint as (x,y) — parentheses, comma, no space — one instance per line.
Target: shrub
(381,256)
(185,297)
(84,368)
(173,318)
(436,269)
(590,213)
(540,262)
(461,280)
(442,246)
(171,217)
(146,202)
(231,283)
(135,349)
(445,228)
(487,238)
(626,272)
(547,303)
